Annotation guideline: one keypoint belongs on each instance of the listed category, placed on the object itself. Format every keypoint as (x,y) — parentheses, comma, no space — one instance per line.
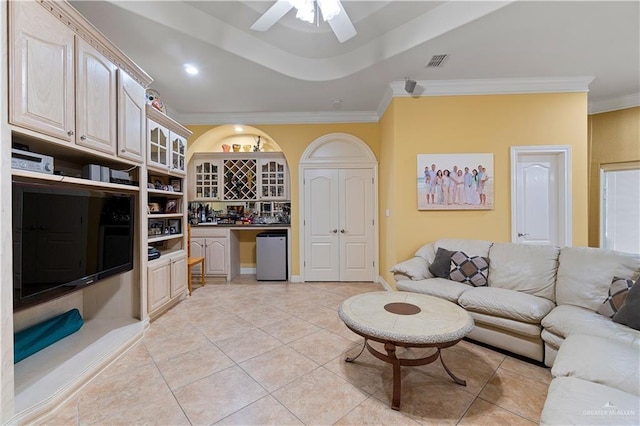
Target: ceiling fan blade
(342,26)
(272,15)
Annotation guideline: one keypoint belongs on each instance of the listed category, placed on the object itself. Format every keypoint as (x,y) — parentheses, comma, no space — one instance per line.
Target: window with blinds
(620,208)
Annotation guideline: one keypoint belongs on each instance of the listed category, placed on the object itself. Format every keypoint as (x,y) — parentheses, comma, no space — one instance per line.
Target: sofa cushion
(506,304)
(565,320)
(427,252)
(472,247)
(509,325)
(585,273)
(469,269)
(618,291)
(579,402)
(439,287)
(415,268)
(527,268)
(551,339)
(440,266)
(608,362)
(629,313)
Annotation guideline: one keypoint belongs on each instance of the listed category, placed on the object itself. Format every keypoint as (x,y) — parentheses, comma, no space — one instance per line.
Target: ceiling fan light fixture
(329,8)
(305,10)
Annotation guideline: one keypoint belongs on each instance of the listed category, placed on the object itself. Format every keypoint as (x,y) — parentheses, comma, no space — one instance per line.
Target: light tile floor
(248,353)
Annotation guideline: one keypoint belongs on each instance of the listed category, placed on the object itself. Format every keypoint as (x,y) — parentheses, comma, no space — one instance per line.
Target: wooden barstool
(192,261)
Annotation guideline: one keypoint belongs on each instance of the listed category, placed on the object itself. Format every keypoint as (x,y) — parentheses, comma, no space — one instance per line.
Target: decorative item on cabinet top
(153,99)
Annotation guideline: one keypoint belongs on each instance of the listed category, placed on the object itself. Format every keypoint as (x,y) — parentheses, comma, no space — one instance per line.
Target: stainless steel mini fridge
(271,256)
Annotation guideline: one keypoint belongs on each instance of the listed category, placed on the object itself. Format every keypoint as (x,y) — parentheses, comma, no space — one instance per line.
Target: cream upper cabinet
(272,173)
(206,178)
(60,85)
(41,88)
(177,153)
(95,99)
(157,145)
(166,142)
(262,176)
(131,118)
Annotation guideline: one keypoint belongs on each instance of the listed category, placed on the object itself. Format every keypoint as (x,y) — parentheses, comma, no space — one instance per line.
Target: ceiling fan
(307,10)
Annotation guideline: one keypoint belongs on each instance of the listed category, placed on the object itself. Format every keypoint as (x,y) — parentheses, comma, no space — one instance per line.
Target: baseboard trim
(385,284)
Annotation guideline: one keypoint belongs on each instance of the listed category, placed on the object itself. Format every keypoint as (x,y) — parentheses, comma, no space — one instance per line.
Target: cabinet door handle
(83,137)
(522,235)
(335,231)
(343,231)
(70,133)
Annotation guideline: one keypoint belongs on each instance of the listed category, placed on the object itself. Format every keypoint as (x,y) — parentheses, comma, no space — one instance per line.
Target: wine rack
(240,179)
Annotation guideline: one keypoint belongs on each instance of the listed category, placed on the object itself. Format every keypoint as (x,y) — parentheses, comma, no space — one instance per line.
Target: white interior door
(540,195)
(321,223)
(339,225)
(620,210)
(356,225)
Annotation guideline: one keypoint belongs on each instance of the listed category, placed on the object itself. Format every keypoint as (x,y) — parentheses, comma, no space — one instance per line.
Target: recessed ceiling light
(238,128)
(191,69)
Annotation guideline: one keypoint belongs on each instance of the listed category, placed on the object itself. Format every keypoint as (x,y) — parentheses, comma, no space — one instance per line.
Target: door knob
(522,235)
(83,137)
(343,231)
(335,231)
(70,133)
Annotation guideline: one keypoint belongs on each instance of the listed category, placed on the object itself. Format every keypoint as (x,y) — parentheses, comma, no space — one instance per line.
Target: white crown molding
(614,104)
(493,86)
(384,102)
(423,88)
(279,117)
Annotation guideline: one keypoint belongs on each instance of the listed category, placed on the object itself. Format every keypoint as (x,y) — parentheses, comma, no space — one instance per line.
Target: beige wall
(614,137)
(293,139)
(450,124)
(467,124)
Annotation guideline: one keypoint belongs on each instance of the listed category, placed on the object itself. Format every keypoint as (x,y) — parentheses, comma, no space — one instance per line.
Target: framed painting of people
(455,181)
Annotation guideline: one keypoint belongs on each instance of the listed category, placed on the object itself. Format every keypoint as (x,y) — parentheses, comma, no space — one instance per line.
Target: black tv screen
(66,238)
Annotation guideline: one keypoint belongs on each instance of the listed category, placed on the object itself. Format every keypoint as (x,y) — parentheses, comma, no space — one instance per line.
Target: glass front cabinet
(166,143)
(273,179)
(260,176)
(206,179)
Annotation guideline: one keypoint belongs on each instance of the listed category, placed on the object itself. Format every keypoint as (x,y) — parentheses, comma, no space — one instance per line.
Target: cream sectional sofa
(536,295)
(536,298)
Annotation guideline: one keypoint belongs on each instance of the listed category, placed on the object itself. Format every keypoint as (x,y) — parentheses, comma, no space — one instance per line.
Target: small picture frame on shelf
(175,184)
(174,226)
(154,208)
(156,227)
(171,206)
(158,181)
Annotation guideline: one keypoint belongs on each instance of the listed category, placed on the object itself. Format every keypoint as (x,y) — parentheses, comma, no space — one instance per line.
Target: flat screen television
(66,238)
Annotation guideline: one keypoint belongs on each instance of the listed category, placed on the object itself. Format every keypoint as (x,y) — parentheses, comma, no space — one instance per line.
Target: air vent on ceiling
(436,61)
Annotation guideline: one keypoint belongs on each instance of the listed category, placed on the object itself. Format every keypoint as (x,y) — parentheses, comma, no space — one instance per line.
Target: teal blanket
(37,337)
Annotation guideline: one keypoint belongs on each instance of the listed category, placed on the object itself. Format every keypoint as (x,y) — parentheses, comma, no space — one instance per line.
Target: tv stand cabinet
(46,108)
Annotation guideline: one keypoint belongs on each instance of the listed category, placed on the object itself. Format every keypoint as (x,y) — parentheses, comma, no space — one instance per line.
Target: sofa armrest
(414,269)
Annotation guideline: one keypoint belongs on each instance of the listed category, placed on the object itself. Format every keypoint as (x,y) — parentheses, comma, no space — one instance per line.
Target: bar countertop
(248,226)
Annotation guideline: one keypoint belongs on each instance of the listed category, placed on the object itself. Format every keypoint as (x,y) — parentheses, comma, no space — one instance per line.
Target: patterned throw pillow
(617,295)
(470,270)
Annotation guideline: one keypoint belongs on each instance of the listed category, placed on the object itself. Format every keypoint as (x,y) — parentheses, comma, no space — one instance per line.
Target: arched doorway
(338,185)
